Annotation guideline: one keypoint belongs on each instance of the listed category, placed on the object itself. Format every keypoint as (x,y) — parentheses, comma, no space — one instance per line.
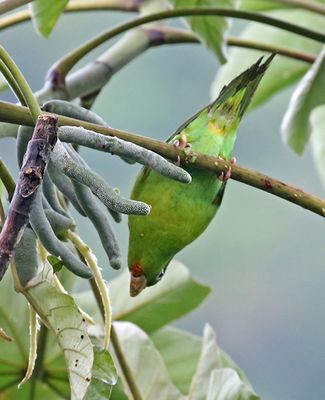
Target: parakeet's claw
(233,161)
(178,162)
(223,177)
(182,142)
(137,284)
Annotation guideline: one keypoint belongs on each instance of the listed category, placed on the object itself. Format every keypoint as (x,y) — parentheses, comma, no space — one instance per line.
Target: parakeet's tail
(234,98)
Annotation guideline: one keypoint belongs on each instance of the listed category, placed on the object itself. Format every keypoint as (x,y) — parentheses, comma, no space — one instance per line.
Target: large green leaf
(180,351)
(104,376)
(211,30)
(209,360)
(309,94)
(265,5)
(146,364)
(225,384)
(14,354)
(317,120)
(258,5)
(283,71)
(212,358)
(45,14)
(176,295)
(61,315)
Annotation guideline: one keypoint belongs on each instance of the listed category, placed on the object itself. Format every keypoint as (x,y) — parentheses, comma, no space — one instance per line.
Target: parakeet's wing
(185,124)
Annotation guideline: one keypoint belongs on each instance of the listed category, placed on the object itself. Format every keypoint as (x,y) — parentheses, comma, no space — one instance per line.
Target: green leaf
(45,14)
(283,71)
(317,120)
(258,5)
(265,5)
(211,30)
(56,263)
(146,364)
(61,315)
(14,354)
(309,94)
(177,294)
(225,384)
(181,352)
(211,358)
(104,375)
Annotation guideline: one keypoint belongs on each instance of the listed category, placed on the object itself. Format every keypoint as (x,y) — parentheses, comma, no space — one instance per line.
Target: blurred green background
(263,256)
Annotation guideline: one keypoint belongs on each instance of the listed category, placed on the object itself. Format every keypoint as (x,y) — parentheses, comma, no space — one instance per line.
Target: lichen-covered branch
(30,178)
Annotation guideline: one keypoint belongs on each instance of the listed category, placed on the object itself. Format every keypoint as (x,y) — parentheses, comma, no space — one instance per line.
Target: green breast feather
(180,213)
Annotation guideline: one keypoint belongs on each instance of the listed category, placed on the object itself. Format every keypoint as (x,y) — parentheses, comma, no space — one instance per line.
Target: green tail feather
(234,98)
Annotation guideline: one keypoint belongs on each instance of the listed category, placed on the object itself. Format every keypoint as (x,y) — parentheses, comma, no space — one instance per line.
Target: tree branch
(8,5)
(83,5)
(20,115)
(30,178)
(65,64)
(308,5)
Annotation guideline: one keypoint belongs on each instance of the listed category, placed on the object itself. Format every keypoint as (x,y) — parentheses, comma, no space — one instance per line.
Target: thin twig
(21,84)
(59,70)
(169,35)
(20,115)
(8,5)
(308,5)
(127,373)
(7,180)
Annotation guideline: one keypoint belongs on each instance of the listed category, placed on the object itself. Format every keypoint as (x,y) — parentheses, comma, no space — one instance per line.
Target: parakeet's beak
(137,284)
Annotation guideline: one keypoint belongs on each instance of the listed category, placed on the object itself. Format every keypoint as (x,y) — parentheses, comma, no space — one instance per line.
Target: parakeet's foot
(181,143)
(223,177)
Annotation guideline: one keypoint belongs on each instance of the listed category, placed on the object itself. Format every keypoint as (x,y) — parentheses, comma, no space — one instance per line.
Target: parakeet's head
(142,277)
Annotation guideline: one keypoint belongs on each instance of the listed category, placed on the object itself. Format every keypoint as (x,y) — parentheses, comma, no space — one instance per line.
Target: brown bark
(30,177)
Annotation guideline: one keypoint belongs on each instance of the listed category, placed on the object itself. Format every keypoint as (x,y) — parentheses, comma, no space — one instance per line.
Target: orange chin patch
(136,269)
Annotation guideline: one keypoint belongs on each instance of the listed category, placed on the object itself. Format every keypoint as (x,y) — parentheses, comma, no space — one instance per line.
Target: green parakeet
(180,212)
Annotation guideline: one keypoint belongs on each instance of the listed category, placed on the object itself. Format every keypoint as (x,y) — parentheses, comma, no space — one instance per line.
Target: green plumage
(180,213)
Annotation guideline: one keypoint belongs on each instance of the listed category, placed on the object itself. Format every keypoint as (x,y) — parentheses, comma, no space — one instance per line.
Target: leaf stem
(33,324)
(11,82)
(64,65)
(21,83)
(77,5)
(87,254)
(7,180)
(8,5)
(271,48)
(308,5)
(39,363)
(117,348)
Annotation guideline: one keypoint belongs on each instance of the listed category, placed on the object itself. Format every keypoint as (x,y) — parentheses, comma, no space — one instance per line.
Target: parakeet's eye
(160,275)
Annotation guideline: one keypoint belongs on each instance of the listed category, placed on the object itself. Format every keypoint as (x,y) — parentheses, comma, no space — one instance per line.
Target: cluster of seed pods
(69,177)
